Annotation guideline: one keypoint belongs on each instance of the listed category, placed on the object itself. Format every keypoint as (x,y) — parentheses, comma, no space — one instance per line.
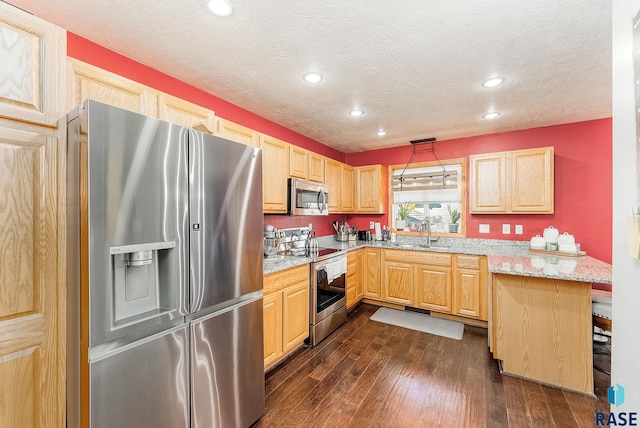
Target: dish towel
(337,268)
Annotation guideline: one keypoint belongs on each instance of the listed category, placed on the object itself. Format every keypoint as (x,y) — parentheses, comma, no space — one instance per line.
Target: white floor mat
(420,322)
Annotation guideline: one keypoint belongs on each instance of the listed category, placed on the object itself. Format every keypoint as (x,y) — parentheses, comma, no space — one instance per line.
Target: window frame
(462,230)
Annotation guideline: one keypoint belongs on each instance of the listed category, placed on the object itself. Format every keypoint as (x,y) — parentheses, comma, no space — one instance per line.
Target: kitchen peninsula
(539,306)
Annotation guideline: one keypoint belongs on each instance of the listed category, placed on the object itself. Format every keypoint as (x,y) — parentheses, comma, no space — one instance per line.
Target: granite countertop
(505,257)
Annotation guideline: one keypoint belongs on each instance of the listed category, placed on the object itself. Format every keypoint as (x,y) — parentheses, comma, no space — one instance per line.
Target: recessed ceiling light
(494,81)
(356,112)
(220,7)
(491,115)
(312,77)
(381,133)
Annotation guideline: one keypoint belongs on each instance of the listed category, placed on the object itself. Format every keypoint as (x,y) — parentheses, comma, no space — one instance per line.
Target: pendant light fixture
(424,180)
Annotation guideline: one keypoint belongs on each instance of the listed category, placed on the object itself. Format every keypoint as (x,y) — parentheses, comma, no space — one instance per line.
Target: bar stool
(601,315)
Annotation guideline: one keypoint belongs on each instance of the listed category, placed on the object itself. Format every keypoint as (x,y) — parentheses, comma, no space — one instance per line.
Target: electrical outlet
(518,229)
(506,229)
(484,228)
(310,226)
(371,225)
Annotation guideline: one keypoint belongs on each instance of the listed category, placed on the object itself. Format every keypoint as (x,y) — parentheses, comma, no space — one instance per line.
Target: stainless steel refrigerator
(165,274)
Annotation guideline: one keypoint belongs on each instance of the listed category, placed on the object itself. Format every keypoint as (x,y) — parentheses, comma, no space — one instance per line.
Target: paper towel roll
(378,231)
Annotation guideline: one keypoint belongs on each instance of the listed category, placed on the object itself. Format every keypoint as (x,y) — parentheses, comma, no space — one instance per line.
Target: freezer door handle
(196,217)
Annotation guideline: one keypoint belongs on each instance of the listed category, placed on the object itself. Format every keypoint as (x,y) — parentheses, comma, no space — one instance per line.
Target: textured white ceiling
(414,66)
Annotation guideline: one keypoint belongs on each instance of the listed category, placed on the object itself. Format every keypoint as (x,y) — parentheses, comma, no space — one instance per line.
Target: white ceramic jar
(538,243)
(550,235)
(566,238)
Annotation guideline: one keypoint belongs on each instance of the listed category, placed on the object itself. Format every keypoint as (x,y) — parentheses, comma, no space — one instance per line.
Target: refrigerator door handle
(196,217)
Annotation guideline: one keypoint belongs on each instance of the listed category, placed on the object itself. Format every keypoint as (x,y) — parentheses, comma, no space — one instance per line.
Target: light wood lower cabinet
(286,313)
(470,287)
(440,282)
(354,290)
(371,274)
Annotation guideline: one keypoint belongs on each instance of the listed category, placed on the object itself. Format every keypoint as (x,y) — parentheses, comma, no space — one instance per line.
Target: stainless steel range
(328,309)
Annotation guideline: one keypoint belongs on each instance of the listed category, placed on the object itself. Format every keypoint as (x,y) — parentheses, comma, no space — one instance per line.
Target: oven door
(328,295)
(307,198)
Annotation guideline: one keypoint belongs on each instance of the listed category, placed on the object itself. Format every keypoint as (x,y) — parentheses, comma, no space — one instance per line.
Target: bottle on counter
(384,232)
(392,235)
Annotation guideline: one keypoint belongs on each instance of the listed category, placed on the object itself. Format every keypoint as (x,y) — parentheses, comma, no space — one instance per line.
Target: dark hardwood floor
(368,374)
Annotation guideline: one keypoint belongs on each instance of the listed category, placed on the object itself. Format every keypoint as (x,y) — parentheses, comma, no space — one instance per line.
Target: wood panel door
(333,178)
(183,113)
(295,314)
(359,281)
(487,179)
(531,180)
(89,82)
(272,314)
(398,283)
(369,189)
(371,273)
(31,322)
(433,285)
(275,158)
(32,55)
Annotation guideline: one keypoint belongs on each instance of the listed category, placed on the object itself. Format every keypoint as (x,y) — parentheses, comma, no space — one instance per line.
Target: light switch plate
(506,229)
(484,228)
(518,229)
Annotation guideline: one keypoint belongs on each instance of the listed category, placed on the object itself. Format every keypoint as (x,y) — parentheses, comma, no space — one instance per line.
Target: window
(428,193)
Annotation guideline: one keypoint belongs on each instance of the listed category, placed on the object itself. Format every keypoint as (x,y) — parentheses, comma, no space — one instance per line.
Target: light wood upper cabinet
(518,181)
(298,162)
(89,82)
(275,161)
(371,274)
(316,167)
(32,54)
(333,178)
(183,113)
(347,195)
(371,186)
(238,133)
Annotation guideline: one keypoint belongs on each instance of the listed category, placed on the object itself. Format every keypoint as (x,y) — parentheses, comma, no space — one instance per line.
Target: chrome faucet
(425,224)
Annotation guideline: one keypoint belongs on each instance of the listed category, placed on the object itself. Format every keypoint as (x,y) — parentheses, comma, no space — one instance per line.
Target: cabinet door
(32,386)
(369,189)
(272,313)
(333,178)
(398,283)
(32,54)
(275,158)
(347,195)
(184,113)
(89,82)
(359,282)
(531,182)
(434,287)
(487,179)
(298,162)
(468,293)
(316,167)
(238,133)
(372,285)
(351,278)
(295,315)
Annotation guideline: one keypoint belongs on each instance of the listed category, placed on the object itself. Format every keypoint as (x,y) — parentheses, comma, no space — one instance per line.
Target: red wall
(89,52)
(583,180)
(583,168)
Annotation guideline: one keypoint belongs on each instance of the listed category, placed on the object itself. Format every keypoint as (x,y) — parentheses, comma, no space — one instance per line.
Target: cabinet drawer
(283,279)
(421,257)
(468,262)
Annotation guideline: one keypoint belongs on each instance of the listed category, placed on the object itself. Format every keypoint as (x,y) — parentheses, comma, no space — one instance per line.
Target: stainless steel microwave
(308,198)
